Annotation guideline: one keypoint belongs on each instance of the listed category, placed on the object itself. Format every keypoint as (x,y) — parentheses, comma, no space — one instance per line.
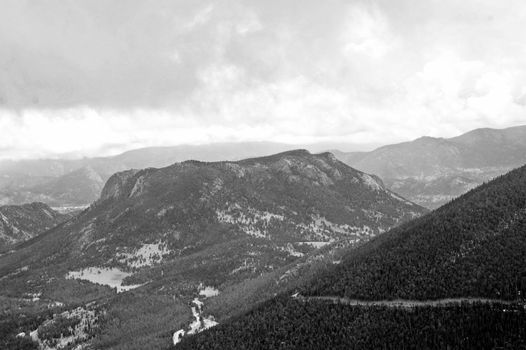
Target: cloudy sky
(101,76)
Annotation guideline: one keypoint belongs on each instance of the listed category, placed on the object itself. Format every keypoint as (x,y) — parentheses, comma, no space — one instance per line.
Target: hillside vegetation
(247,230)
(472,247)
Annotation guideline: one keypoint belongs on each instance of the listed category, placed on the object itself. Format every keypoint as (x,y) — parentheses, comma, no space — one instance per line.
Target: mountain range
(262,248)
(432,171)
(78,182)
(170,236)
(429,171)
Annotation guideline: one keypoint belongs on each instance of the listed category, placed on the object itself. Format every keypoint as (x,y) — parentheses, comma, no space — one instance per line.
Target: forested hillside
(472,247)
(284,323)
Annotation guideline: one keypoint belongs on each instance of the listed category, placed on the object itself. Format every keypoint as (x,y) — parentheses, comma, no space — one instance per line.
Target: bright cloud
(88,78)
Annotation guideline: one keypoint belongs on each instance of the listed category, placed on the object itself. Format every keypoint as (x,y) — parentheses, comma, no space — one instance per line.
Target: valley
(166,255)
(262,175)
(142,254)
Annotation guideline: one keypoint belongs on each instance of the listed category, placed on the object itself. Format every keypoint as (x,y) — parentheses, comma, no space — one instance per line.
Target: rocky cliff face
(116,185)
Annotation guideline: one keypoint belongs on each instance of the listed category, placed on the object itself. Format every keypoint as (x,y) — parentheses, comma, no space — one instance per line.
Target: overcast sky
(97,77)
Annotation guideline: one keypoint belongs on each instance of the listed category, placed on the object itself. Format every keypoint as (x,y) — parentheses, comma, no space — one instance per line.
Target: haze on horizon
(92,78)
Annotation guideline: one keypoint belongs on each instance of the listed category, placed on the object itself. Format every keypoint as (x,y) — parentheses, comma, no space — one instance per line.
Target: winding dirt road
(400,303)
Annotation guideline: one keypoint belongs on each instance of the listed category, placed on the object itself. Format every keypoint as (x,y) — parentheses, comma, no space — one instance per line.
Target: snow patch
(325,229)
(289,248)
(244,267)
(371,182)
(251,221)
(200,323)
(47,213)
(209,292)
(178,336)
(69,209)
(111,277)
(80,332)
(33,296)
(146,255)
(316,245)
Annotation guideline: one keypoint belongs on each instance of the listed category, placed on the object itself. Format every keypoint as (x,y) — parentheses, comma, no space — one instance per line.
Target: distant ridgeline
(19,223)
(432,171)
(473,247)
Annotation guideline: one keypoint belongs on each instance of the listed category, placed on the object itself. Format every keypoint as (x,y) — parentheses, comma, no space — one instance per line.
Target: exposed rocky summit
(77,182)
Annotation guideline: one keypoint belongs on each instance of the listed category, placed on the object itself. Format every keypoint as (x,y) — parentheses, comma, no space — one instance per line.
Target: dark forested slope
(472,247)
(284,323)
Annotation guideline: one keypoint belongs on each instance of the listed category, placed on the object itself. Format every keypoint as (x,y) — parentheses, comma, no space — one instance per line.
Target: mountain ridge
(258,224)
(431,171)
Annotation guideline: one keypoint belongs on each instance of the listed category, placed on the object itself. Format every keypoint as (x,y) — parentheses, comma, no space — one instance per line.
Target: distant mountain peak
(426,170)
(297,165)
(292,196)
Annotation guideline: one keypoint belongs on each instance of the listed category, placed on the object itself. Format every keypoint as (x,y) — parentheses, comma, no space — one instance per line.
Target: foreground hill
(471,249)
(431,171)
(244,229)
(19,223)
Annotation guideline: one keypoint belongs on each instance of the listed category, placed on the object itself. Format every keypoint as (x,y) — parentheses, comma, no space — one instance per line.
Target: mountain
(244,229)
(77,188)
(77,182)
(383,294)
(20,223)
(432,171)
(428,171)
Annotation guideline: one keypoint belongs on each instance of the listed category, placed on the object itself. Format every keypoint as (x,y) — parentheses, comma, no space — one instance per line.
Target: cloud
(89,77)
(366,31)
